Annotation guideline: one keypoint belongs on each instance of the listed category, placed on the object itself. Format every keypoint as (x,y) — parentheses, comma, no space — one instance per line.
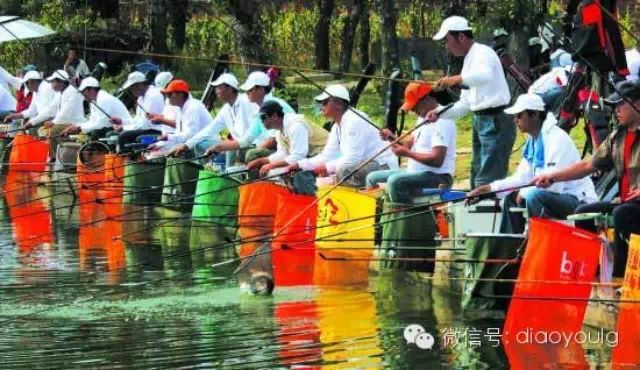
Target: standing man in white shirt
(194,116)
(548,149)
(99,119)
(70,109)
(633,63)
(351,142)
(43,103)
(430,150)
(170,114)
(234,115)
(149,101)
(487,96)
(7,103)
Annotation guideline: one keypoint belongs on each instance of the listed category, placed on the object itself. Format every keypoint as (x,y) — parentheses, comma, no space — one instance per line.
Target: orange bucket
(113,167)
(28,153)
(87,176)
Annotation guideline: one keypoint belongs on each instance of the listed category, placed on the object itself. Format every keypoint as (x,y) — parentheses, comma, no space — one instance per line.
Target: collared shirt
(7,101)
(152,102)
(7,79)
(297,140)
(351,142)
(172,113)
(43,104)
(112,106)
(633,63)
(70,107)
(257,133)
(482,72)
(556,77)
(610,155)
(234,117)
(559,152)
(194,116)
(439,133)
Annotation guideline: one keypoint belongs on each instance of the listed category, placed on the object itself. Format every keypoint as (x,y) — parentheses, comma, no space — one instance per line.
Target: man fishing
(167,120)
(430,150)
(486,97)
(234,115)
(258,89)
(149,101)
(42,106)
(296,138)
(620,152)
(105,106)
(548,148)
(352,141)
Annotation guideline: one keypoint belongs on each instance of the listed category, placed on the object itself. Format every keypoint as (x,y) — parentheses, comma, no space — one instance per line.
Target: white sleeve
(459,108)
(212,129)
(352,150)
(330,151)
(299,144)
(522,176)
(10,79)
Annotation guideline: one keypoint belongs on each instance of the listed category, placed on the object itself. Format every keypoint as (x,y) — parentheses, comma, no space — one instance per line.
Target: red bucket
(28,153)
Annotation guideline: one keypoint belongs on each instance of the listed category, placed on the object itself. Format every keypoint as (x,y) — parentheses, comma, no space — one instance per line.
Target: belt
(490,111)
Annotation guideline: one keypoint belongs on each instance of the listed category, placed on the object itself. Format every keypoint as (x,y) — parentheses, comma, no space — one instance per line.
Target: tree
(390,48)
(365,34)
(11,7)
(322,34)
(349,33)
(247,15)
(158,26)
(178,12)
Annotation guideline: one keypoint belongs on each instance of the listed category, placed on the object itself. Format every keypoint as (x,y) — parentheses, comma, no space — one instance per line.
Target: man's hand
(432,115)
(257,163)
(447,82)
(70,130)
(213,150)
(48,124)
(292,167)
(543,181)
(264,170)
(115,121)
(474,195)
(400,150)
(177,150)
(27,125)
(10,117)
(163,137)
(321,170)
(633,195)
(385,134)
(156,119)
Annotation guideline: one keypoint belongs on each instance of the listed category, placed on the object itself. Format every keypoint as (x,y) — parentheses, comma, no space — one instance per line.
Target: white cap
(535,41)
(226,79)
(564,58)
(134,78)
(334,91)
(31,75)
(500,32)
(88,82)
(453,23)
(60,74)
(257,78)
(526,102)
(163,79)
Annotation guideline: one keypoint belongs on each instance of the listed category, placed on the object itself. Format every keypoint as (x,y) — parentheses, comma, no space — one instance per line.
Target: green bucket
(408,235)
(180,179)
(5,152)
(143,182)
(216,199)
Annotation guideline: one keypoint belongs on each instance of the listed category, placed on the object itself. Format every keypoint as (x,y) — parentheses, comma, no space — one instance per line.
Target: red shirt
(624,181)
(23,100)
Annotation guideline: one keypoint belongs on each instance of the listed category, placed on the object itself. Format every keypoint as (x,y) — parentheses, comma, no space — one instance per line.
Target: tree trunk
(348,35)
(178,12)
(11,7)
(247,14)
(390,49)
(322,34)
(106,8)
(158,26)
(365,34)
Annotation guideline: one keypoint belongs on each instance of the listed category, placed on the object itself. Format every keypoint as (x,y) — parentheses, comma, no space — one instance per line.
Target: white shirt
(482,72)
(7,101)
(194,116)
(153,102)
(559,152)
(633,63)
(556,77)
(351,142)
(440,133)
(70,107)
(110,104)
(7,79)
(43,104)
(170,112)
(236,118)
(296,132)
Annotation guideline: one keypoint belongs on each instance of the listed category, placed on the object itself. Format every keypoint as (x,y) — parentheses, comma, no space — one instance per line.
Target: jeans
(357,179)
(626,219)
(547,204)
(493,138)
(402,184)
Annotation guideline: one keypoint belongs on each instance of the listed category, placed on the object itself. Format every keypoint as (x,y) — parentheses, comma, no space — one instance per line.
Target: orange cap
(176,86)
(413,93)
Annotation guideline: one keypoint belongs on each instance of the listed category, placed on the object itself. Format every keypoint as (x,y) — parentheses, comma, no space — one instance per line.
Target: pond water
(82,286)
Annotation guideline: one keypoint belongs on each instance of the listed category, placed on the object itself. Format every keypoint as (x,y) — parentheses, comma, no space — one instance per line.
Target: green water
(154,301)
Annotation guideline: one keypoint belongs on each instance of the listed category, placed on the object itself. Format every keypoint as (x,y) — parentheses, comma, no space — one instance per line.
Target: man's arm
(573,172)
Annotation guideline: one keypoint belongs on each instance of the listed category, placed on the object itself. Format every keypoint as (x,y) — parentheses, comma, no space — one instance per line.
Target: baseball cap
(453,23)
(162,79)
(257,78)
(526,102)
(624,89)
(176,86)
(31,75)
(334,91)
(59,74)
(226,79)
(134,78)
(413,93)
(88,82)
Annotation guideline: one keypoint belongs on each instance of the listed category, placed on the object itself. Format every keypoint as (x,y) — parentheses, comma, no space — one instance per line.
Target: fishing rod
(420,259)
(566,299)
(502,280)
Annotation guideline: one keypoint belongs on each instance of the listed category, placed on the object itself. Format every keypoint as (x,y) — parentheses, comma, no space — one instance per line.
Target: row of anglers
(265,133)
